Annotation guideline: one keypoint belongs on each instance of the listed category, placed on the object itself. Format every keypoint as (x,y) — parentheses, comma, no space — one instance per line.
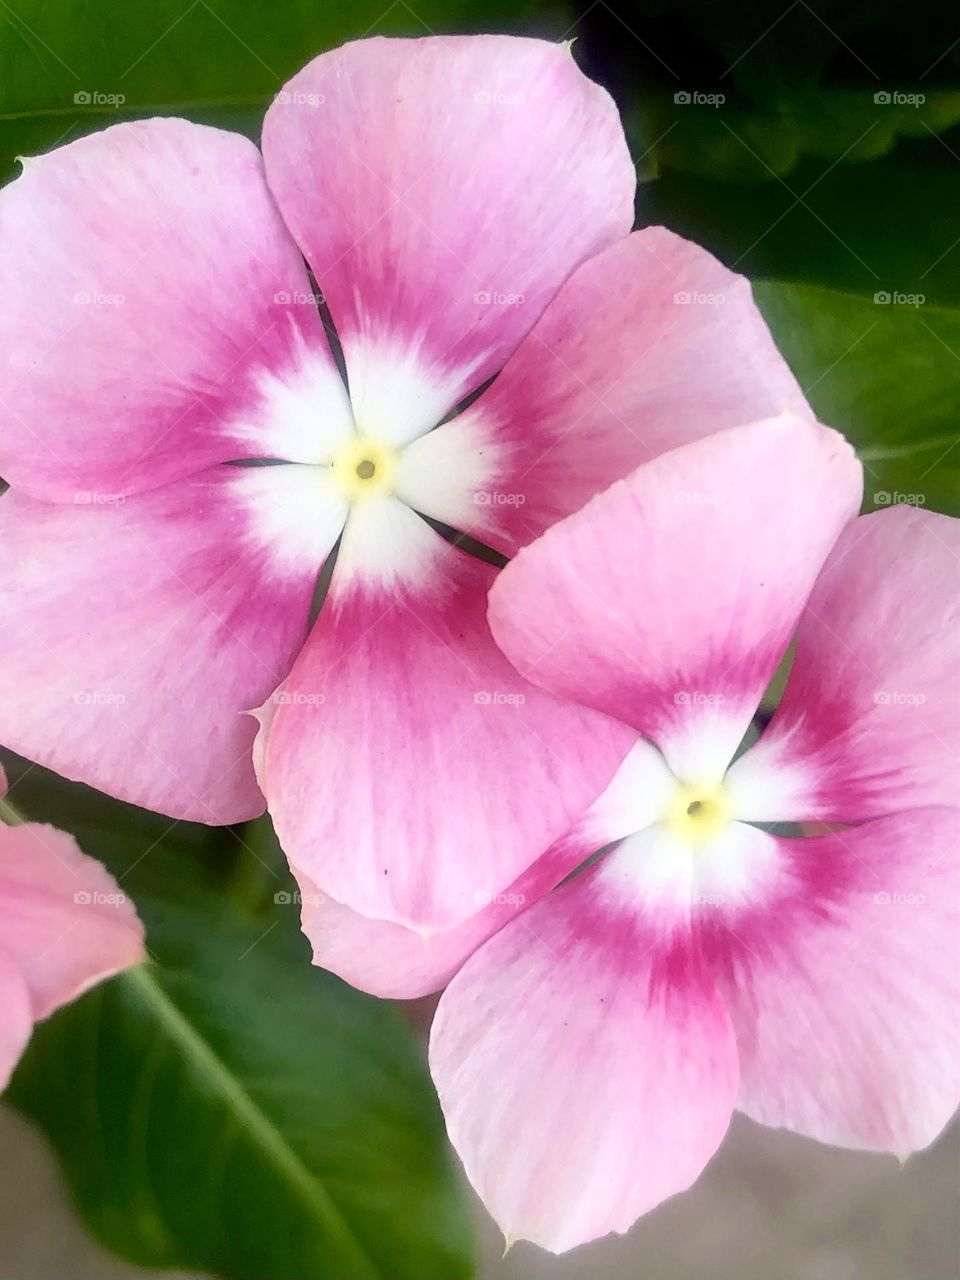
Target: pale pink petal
(442,189)
(844,989)
(392,961)
(16,1018)
(408,767)
(397,963)
(155,316)
(585,1065)
(870,719)
(135,635)
(649,345)
(668,600)
(66,924)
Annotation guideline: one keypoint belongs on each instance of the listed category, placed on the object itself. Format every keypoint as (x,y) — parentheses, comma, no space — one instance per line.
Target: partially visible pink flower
(64,926)
(465,205)
(588,1057)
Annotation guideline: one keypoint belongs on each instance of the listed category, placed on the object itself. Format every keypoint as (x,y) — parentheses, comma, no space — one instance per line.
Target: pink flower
(465,205)
(64,926)
(589,1055)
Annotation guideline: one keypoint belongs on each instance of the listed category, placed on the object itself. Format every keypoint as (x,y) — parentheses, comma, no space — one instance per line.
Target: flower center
(697,813)
(364,468)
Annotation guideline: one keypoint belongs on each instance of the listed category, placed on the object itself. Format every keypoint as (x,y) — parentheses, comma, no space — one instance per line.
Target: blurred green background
(231,1109)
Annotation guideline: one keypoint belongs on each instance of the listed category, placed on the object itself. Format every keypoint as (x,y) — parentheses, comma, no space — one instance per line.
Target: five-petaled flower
(464,205)
(589,1055)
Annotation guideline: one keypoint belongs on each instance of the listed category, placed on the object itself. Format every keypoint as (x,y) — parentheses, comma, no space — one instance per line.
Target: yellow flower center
(364,468)
(697,813)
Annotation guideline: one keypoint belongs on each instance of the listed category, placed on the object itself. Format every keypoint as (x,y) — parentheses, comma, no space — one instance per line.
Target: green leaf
(226,1106)
(730,141)
(79,65)
(886,374)
(888,225)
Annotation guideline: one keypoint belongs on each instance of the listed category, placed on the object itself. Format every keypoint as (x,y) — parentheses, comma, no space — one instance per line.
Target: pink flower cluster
(442,748)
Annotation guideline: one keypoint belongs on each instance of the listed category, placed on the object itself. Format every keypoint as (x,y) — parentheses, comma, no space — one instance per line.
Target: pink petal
(408,768)
(649,345)
(144,328)
(844,990)
(442,189)
(397,963)
(66,922)
(136,635)
(16,1018)
(669,600)
(585,1065)
(869,719)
